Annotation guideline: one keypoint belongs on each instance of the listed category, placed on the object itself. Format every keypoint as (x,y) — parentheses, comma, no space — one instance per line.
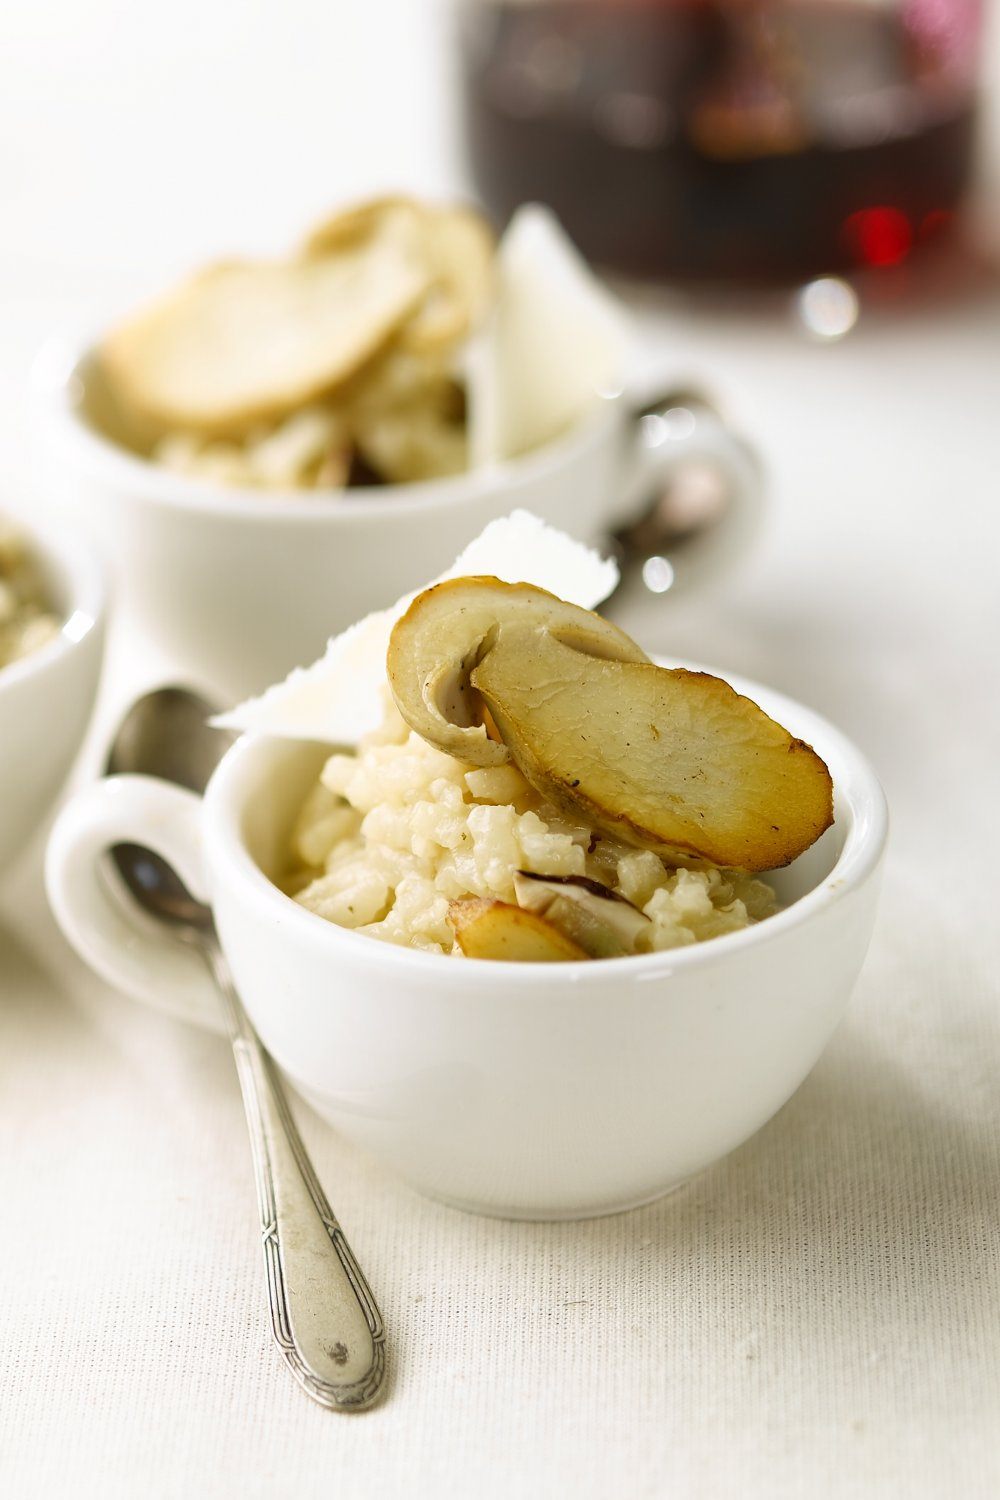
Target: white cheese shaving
(555,342)
(339,698)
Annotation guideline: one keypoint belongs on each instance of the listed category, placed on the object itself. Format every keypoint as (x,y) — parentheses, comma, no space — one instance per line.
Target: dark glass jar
(711,138)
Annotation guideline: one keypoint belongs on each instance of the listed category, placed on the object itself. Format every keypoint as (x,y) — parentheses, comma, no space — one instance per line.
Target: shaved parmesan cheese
(555,343)
(341,697)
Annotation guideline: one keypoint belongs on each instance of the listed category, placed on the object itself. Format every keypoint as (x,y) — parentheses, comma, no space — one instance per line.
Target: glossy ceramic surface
(533,1090)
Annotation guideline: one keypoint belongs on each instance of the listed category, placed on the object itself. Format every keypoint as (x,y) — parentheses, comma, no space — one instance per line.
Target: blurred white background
(153,134)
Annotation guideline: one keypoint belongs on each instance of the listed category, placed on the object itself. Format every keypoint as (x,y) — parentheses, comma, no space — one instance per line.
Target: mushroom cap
(660,758)
(447,630)
(247,341)
(495,929)
(549,894)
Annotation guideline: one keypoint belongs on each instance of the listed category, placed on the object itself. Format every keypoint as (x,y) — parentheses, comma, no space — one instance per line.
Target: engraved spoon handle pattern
(324,1316)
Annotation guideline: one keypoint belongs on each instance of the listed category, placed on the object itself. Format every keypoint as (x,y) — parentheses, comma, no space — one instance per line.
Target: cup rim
(85,604)
(58,379)
(856,786)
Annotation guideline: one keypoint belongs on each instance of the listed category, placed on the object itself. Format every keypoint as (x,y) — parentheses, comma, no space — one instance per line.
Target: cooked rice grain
(390,835)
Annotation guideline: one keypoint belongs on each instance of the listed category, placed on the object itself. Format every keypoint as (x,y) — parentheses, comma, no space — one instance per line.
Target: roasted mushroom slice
(664,759)
(670,760)
(495,929)
(461,249)
(454,244)
(598,918)
(248,341)
(436,645)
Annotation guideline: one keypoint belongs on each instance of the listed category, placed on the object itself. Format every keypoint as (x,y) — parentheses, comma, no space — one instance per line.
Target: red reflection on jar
(879,236)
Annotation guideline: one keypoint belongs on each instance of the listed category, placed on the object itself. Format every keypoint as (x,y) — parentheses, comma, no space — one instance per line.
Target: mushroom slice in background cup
(539,1091)
(241,585)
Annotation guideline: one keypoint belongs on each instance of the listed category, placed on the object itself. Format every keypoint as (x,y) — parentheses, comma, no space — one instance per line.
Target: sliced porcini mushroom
(663,759)
(359,223)
(455,245)
(435,647)
(601,920)
(460,249)
(248,341)
(496,929)
(594,936)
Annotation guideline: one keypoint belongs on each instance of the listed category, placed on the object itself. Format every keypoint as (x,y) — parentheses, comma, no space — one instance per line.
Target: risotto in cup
(27,619)
(396,832)
(530,786)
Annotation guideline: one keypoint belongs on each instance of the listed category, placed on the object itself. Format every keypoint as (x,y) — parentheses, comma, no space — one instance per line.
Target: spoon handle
(324,1316)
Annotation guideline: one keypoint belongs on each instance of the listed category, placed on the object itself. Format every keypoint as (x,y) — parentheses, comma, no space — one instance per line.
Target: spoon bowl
(167,734)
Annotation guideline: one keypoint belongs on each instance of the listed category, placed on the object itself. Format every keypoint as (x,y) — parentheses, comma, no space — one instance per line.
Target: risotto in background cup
(241,585)
(530,1090)
(47,694)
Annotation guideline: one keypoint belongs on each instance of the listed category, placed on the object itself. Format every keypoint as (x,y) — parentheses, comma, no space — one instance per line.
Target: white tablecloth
(817,1315)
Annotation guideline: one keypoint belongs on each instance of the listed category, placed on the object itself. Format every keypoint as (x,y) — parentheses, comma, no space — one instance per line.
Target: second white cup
(239,586)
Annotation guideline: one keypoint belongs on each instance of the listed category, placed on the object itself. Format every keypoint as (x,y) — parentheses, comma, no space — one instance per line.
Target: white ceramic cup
(46,698)
(525,1090)
(241,585)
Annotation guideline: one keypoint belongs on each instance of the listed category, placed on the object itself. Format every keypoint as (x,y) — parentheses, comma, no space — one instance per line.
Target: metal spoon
(324,1316)
(677,513)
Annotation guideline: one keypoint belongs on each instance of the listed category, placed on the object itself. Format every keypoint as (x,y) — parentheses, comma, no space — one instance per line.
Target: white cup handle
(663,437)
(127,948)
